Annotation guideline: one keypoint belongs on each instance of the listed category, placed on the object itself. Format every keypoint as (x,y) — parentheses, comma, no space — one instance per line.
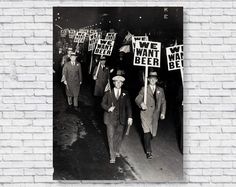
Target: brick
(22,33)
(221,164)
(202,179)
(7,107)
(43,179)
(35,114)
(42,122)
(200,19)
(221,18)
(5,179)
(22,19)
(43,19)
(29,171)
(13,26)
(13,171)
(211,85)
(26,77)
(43,92)
(13,41)
(5,19)
(44,107)
(13,115)
(220,34)
(217,172)
(11,11)
(212,26)
(21,179)
(22,48)
(212,12)
(212,41)
(42,48)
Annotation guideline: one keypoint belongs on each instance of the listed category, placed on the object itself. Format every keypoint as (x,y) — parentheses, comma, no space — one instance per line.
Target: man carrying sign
(154,108)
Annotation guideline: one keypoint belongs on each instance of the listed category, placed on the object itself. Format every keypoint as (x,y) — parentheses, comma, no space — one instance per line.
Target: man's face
(69,52)
(73,58)
(103,62)
(118,84)
(152,80)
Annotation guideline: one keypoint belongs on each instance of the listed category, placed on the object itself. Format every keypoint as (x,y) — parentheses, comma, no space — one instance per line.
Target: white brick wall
(26,92)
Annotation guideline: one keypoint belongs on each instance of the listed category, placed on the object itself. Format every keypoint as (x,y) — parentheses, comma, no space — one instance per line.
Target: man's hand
(130,121)
(94,77)
(80,82)
(111,109)
(162,116)
(65,82)
(143,106)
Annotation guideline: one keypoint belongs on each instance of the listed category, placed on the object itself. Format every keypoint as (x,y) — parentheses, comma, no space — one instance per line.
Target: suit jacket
(73,75)
(123,103)
(156,105)
(101,81)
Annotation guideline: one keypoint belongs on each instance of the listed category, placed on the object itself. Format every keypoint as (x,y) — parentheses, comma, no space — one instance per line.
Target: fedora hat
(152,74)
(102,58)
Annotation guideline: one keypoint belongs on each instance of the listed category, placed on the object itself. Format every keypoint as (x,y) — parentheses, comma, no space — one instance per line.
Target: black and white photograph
(118,94)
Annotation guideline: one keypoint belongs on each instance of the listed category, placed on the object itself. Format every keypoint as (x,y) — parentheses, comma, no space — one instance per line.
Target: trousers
(69,98)
(147,142)
(115,134)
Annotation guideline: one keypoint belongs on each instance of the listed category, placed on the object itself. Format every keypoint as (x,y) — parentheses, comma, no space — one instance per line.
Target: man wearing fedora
(117,115)
(154,109)
(72,78)
(100,75)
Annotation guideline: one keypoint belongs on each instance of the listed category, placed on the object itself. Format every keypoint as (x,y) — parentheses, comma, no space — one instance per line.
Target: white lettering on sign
(175,57)
(147,53)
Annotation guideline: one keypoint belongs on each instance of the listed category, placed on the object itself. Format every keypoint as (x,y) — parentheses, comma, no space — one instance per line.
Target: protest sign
(80,37)
(110,36)
(175,57)
(147,53)
(92,31)
(104,47)
(84,30)
(138,38)
(93,38)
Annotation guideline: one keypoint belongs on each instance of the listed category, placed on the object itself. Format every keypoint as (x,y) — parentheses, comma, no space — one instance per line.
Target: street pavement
(80,150)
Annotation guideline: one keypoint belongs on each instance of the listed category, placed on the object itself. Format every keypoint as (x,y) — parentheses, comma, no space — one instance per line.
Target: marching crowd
(115,101)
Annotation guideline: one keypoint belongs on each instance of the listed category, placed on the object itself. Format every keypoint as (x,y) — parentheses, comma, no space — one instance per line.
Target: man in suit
(72,78)
(154,108)
(100,75)
(117,114)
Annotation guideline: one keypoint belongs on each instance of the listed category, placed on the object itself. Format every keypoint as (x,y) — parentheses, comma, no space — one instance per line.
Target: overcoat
(156,105)
(125,110)
(101,81)
(73,76)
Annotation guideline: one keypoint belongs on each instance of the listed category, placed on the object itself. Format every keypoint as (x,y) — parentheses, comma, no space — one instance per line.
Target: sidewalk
(167,162)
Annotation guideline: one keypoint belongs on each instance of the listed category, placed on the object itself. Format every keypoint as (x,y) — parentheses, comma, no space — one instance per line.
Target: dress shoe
(76,108)
(149,155)
(118,155)
(112,161)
